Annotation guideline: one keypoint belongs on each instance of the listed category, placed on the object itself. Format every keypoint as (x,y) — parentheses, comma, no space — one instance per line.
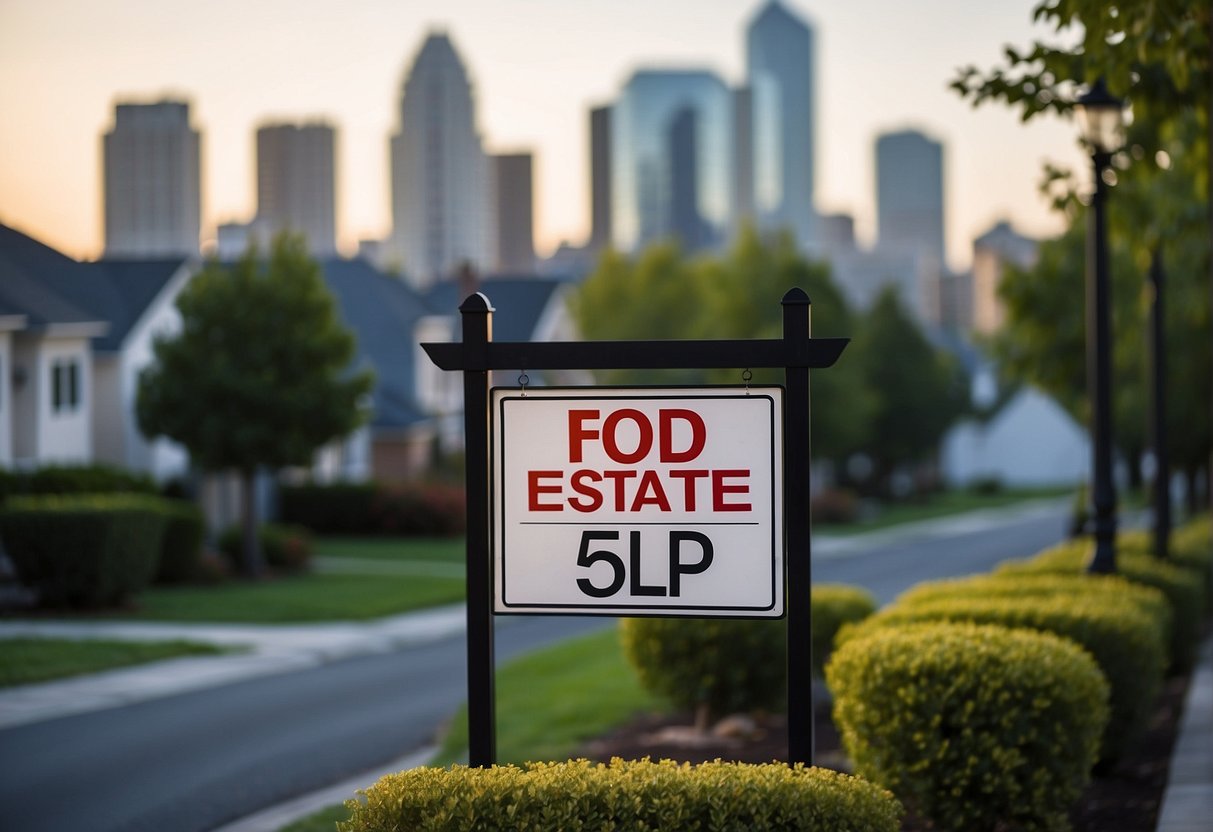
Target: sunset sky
(537,67)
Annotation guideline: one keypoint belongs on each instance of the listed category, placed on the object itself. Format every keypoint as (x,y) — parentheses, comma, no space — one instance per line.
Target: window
(65,385)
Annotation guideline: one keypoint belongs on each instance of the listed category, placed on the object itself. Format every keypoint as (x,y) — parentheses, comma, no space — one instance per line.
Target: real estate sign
(644,501)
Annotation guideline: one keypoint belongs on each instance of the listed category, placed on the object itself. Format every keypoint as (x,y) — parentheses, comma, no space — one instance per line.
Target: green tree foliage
(661,294)
(1156,53)
(917,392)
(259,375)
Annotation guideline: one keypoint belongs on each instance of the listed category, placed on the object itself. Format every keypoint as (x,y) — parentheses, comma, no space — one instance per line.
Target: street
(195,761)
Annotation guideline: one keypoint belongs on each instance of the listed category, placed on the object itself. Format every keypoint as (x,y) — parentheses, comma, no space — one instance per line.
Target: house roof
(382,311)
(24,289)
(51,289)
(518,303)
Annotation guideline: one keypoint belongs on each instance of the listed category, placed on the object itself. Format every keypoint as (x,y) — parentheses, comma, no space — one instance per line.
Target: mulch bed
(1124,799)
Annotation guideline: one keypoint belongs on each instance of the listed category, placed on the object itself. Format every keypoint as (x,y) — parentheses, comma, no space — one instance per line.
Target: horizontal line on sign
(626,523)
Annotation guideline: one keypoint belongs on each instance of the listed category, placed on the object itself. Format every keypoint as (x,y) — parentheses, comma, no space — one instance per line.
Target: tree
(918,392)
(663,294)
(1158,54)
(258,376)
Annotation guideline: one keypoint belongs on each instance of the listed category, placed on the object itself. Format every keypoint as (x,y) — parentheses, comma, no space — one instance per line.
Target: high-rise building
(779,66)
(515,212)
(151,180)
(296,183)
(992,252)
(440,175)
(671,153)
(600,178)
(909,194)
(743,155)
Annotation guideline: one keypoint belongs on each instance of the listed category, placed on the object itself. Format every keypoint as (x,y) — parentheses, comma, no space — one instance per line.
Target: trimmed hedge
(374,508)
(834,605)
(286,548)
(181,547)
(1125,641)
(74,479)
(1112,589)
(624,795)
(973,727)
(712,666)
(1181,587)
(721,666)
(87,550)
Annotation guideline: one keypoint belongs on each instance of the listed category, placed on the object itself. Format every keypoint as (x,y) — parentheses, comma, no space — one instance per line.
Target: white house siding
(1031,441)
(109,442)
(160,458)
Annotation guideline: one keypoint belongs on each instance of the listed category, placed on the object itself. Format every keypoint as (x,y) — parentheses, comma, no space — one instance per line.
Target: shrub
(430,509)
(285,548)
(1125,641)
(1181,588)
(336,508)
(181,547)
(974,727)
(662,797)
(1112,589)
(712,666)
(74,479)
(83,550)
(371,508)
(834,605)
(834,505)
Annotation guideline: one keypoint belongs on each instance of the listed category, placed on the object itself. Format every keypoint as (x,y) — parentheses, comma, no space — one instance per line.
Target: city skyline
(537,68)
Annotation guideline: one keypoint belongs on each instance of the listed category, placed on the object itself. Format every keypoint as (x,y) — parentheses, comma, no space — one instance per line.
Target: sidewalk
(264,650)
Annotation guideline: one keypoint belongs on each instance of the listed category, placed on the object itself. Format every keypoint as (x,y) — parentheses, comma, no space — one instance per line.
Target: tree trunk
(250,548)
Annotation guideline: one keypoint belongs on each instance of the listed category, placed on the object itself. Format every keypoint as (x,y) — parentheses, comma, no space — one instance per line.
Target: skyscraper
(779,64)
(515,212)
(296,183)
(600,178)
(909,194)
(671,153)
(151,181)
(440,176)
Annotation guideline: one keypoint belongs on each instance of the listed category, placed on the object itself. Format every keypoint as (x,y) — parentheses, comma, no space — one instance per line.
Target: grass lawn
(24,661)
(406,574)
(298,599)
(548,703)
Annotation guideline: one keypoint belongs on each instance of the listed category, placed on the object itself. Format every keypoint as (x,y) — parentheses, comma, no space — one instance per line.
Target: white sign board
(638,501)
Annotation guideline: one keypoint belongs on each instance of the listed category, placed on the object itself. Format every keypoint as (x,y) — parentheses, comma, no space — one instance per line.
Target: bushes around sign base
(973,727)
(663,797)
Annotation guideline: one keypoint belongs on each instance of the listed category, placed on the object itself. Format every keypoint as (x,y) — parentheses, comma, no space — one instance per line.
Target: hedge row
(721,666)
(631,795)
(375,508)
(95,550)
(74,479)
(1182,587)
(973,727)
(285,548)
(1123,638)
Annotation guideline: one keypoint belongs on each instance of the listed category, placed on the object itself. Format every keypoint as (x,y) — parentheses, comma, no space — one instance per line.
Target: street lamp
(1101,115)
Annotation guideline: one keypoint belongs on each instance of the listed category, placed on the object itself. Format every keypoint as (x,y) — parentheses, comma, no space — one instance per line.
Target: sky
(537,67)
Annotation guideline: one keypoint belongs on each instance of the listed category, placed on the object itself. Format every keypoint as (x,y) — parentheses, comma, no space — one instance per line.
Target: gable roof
(382,311)
(24,289)
(518,302)
(51,289)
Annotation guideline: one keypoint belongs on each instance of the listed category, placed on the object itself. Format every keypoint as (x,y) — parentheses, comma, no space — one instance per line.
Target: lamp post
(1101,115)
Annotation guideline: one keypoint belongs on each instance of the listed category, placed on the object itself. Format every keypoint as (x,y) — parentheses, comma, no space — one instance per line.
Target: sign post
(648,487)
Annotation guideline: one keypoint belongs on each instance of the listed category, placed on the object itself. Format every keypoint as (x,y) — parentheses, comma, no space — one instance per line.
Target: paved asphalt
(197,760)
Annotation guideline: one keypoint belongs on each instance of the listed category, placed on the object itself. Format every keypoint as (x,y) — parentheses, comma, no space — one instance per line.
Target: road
(198,760)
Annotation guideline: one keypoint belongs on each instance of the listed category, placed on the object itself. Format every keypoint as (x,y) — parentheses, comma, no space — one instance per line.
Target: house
(1029,441)
(75,336)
